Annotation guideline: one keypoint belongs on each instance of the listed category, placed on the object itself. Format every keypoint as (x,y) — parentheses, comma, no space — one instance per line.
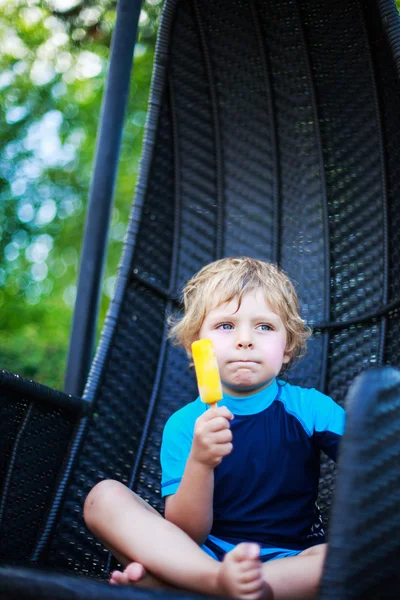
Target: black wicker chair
(271,133)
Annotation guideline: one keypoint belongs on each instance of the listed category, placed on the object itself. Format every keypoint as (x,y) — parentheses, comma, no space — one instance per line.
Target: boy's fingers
(213,413)
(225,412)
(217,424)
(225,449)
(223,436)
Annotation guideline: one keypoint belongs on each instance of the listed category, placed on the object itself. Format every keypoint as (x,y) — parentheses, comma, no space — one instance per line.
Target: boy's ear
(286,357)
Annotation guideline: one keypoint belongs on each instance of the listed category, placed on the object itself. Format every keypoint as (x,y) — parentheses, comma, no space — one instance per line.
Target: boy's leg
(134,573)
(296,577)
(135,532)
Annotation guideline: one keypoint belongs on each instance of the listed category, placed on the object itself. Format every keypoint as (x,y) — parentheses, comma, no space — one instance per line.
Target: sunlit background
(53,62)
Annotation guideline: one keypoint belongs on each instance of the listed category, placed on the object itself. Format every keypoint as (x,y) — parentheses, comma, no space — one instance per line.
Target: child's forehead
(233,303)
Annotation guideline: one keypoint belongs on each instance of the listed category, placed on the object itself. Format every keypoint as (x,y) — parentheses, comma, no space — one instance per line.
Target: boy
(240,480)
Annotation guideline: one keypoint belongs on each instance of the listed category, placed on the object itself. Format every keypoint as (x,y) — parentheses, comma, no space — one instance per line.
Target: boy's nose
(244,337)
(244,345)
(244,342)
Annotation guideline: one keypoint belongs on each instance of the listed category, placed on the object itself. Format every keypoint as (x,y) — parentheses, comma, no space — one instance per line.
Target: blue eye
(226,326)
(265,327)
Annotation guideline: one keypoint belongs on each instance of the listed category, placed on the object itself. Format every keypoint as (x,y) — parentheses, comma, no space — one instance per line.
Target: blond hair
(228,278)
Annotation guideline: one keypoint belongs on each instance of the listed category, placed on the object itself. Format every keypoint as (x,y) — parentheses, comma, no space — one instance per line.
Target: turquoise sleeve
(175,448)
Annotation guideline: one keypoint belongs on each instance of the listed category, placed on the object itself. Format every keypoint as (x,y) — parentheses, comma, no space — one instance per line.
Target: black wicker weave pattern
(389,87)
(306,371)
(351,351)
(302,225)
(364,542)
(178,387)
(34,584)
(352,157)
(34,442)
(114,431)
(392,349)
(12,416)
(302,235)
(154,242)
(243,126)
(195,149)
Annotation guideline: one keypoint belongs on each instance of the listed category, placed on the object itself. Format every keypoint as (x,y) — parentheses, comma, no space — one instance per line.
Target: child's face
(249,343)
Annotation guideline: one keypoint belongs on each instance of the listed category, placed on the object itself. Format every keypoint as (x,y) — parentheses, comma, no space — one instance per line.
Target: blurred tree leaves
(53,61)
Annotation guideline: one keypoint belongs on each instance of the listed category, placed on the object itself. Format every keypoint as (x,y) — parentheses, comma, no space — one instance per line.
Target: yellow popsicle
(206,367)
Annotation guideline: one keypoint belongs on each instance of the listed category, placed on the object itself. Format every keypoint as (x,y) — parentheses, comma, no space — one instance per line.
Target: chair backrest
(271,133)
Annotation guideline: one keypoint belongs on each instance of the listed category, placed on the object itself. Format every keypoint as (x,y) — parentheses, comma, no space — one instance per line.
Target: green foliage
(53,65)
(38,348)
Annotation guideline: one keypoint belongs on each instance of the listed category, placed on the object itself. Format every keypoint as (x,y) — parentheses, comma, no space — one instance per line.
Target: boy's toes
(135,572)
(118,578)
(240,575)
(251,575)
(254,585)
(245,551)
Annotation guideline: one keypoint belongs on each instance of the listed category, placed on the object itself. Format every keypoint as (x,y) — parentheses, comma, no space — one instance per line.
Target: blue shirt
(265,490)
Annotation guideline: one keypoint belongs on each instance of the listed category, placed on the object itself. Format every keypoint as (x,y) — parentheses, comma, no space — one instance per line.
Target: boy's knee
(103,495)
(318,551)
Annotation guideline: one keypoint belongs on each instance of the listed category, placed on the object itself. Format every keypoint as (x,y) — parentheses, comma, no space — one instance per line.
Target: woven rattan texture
(268,143)
(350,352)
(302,236)
(367,507)
(12,415)
(35,584)
(178,387)
(154,243)
(351,154)
(34,443)
(195,152)
(246,128)
(389,86)
(114,430)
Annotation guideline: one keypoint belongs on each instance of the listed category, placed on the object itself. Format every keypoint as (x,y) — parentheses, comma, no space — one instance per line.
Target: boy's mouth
(245,362)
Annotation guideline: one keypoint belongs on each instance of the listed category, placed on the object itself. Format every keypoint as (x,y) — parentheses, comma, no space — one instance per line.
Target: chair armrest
(37,426)
(19,387)
(364,538)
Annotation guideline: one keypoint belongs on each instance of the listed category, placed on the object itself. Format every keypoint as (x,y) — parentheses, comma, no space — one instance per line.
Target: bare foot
(136,574)
(240,576)
(131,575)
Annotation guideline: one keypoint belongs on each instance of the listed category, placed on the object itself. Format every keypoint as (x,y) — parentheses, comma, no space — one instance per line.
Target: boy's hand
(212,439)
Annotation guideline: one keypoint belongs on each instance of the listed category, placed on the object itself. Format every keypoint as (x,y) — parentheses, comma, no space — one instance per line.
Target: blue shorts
(217,548)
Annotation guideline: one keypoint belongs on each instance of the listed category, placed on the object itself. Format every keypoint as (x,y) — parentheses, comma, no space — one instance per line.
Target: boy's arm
(191,507)
(330,424)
